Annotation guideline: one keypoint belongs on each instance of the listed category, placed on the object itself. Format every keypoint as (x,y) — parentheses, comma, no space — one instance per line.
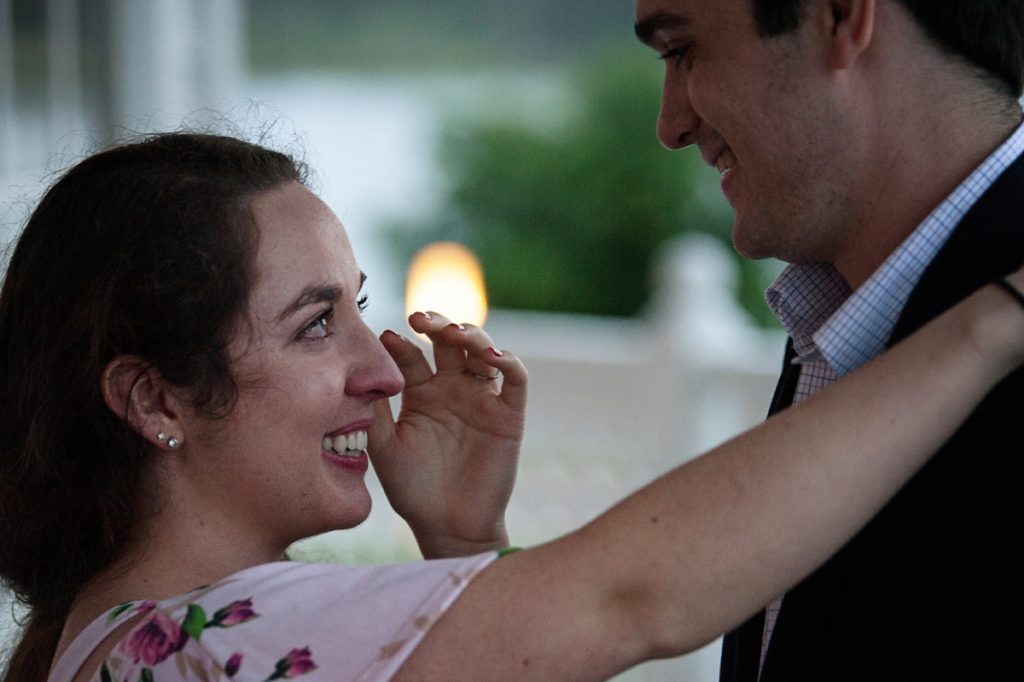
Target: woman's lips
(346,447)
(356,462)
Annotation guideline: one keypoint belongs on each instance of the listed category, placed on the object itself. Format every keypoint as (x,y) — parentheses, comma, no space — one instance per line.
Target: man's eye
(677,55)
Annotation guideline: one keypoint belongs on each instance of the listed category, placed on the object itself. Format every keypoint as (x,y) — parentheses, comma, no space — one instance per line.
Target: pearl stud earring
(173,442)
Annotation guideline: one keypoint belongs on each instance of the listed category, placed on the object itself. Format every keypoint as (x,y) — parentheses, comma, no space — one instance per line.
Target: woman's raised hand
(448,463)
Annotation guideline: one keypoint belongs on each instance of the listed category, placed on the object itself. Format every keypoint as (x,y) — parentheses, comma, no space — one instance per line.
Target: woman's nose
(375,374)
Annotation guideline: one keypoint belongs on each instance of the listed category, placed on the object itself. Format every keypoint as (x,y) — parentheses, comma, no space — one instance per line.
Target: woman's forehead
(301,242)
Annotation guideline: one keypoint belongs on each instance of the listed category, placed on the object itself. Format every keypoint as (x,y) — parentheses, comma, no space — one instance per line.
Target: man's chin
(751,248)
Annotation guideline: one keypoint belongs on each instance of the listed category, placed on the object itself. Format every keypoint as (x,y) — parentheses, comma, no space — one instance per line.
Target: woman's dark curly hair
(145,249)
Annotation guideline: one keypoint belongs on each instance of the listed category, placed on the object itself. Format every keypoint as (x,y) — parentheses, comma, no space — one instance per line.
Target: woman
(188,388)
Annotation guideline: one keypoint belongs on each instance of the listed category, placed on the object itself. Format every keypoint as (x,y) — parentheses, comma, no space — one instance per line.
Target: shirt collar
(816,307)
(803,297)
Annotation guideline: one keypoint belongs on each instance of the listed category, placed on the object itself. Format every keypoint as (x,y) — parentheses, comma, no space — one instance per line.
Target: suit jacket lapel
(804,607)
(786,388)
(741,649)
(986,244)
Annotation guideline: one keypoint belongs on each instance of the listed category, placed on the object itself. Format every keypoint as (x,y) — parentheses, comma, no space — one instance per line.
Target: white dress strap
(88,640)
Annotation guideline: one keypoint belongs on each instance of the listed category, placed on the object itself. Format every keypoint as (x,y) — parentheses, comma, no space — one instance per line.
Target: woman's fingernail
(462,327)
(427,315)
(497,353)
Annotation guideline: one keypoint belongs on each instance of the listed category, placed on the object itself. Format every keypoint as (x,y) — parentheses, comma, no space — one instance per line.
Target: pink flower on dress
(234,613)
(297,662)
(153,639)
(233,664)
(145,606)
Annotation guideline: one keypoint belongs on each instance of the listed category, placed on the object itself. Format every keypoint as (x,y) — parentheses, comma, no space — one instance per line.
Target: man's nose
(677,120)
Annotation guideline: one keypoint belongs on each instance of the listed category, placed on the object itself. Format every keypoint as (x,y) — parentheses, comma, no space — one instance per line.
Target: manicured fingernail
(497,353)
(427,315)
(462,327)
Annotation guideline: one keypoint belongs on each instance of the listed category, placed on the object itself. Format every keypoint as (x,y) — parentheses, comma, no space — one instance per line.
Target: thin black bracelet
(1011,290)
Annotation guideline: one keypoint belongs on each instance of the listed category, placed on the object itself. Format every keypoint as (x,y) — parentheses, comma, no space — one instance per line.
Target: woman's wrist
(444,546)
(995,324)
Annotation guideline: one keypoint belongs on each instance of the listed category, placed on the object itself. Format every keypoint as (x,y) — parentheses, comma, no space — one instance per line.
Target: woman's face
(289,459)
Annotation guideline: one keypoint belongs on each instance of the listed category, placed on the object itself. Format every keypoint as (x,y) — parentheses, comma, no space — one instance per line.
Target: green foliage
(409,35)
(568,217)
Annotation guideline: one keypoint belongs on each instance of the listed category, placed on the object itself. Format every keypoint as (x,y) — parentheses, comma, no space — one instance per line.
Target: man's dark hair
(988,34)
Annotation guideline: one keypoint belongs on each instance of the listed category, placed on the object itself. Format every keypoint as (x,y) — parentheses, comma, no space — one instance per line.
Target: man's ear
(135,392)
(851,25)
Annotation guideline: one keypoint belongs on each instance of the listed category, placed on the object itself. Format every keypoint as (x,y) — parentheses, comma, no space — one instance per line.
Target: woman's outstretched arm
(699,549)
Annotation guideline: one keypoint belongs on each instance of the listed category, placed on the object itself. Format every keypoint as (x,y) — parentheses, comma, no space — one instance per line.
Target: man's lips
(719,156)
(723,161)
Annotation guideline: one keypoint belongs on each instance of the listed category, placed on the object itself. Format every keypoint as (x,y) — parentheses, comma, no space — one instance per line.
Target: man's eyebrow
(323,293)
(647,27)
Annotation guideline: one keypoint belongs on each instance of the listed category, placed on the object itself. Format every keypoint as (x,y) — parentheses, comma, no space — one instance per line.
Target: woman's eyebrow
(322,293)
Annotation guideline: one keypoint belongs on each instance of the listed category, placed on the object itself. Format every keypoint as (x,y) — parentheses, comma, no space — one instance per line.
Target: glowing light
(447,278)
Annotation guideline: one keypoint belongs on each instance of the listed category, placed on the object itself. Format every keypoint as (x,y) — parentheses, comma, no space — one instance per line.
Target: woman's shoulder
(280,621)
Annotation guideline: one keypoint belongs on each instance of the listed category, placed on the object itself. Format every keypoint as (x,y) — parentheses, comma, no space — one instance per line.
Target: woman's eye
(320,327)
(362,302)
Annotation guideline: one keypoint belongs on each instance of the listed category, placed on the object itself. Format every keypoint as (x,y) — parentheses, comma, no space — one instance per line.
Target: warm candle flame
(447,278)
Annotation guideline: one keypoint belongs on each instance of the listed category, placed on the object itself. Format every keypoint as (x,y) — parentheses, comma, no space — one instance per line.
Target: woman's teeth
(347,444)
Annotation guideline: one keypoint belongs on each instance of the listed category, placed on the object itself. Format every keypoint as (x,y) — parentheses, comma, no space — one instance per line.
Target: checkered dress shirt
(835,331)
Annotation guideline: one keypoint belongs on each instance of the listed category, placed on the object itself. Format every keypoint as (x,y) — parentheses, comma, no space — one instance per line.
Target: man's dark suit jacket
(933,587)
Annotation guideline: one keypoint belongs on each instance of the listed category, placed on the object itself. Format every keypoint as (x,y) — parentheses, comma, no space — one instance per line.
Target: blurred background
(524,131)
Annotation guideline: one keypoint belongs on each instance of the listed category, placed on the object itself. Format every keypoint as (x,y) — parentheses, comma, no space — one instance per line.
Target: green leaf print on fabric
(195,621)
(118,610)
(146,675)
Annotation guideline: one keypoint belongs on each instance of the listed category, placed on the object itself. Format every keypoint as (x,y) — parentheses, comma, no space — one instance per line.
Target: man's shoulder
(986,244)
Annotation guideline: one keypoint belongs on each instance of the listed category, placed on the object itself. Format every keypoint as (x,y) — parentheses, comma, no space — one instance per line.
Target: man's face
(762,111)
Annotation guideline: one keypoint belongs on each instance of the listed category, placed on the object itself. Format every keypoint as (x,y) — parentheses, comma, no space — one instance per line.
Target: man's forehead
(649,24)
(663,15)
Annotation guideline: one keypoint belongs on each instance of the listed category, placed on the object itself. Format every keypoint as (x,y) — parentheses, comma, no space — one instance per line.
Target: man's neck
(909,183)
(919,122)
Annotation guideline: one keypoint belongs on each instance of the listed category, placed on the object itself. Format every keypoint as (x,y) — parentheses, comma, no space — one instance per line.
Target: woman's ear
(137,393)
(851,24)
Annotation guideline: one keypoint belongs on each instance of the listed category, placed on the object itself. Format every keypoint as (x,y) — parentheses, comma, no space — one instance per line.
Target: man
(874,145)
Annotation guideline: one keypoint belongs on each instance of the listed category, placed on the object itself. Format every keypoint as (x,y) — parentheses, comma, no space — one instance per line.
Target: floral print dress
(279,621)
